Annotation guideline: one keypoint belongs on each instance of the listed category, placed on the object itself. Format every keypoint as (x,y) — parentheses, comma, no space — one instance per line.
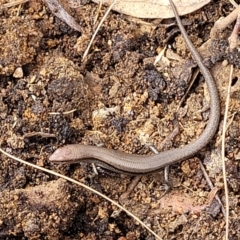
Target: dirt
(117,97)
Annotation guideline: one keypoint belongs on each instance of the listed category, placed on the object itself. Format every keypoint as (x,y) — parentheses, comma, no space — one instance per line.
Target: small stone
(32,80)
(225,63)
(43,72)
(18,73)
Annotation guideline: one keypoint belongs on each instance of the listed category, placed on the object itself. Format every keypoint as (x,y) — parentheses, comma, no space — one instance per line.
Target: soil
(117,97)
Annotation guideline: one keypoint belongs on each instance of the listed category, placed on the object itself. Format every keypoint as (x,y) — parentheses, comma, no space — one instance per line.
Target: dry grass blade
(82,185)
(64,113)
(233,3)
(223,152)
(96,31)
(14,3)
(98,11)
(194,76)
(210,184)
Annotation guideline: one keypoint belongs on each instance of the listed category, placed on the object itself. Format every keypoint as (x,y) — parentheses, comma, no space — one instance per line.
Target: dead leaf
(154,8)
(178,203)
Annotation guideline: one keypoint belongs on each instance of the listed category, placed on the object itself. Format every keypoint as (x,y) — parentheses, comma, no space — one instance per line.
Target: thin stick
(82,185)
(223,152)
(98,27)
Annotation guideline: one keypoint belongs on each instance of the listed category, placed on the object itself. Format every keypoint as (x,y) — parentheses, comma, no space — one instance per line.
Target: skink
(136,164)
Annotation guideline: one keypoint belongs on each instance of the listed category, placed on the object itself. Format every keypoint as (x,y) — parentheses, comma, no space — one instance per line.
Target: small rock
(18,73)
